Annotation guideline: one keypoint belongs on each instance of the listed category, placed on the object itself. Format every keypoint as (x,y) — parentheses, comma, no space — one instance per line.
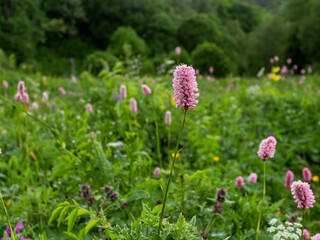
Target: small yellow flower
(9,203)
(275,77)
(216,159)
(64,144)
(278,212)
(275,69)
(315,178)
(178,155)
(193,191)
(173,102)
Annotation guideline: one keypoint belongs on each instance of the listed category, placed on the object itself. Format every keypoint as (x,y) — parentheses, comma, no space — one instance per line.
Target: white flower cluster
(289,231)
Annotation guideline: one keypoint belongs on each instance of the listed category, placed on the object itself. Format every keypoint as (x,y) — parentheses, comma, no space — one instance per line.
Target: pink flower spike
(211,69)
(267,148)
(74,79)
(62,91)
(5,84)
(19,226)
(239,182)
(17,97)
(316,237)
(89,108)
(178,50)
(21,88)
(306,174)
(289,179)
(146,90)
(168,118)
(271,60)
(289,61)
(276,58)
(309,69)
(123,92)
(45,96)
(156,171)
(302,194)
(305,234)
(35,105)
(185,85)
(253,178)
(133,106)
(25,97)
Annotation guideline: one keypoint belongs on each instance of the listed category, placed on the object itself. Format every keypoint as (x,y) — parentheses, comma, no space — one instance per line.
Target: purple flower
(185,84)
(239,182)
(289,179)
(221,195)
(217,208)
(267,148)
(90,200)
(302,194)
(113,196)
(19,226)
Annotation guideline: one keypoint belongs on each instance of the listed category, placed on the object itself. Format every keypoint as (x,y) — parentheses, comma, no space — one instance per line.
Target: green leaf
(71,235)
(157,209)
(91,225)
(137,195)
(54,214)
(180,221)
(82,234)
(72,219)
(62,215)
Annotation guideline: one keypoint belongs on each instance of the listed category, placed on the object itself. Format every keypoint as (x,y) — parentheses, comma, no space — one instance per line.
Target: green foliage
(147,67)
(184,57)
(197,29)
(208,55)
(125,43)
(95,61)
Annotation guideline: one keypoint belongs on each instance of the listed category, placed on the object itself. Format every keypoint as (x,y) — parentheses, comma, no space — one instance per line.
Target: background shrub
(94,61)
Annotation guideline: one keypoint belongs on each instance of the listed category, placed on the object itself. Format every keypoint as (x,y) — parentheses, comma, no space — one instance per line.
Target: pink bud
(35,105)
(253,178)
(156,171)
(303,71)
(146,90)
(309,69)
(178,50)
(211,69)
(4,132)
(271,60)
(45,96)
(18,97)
(133,106)
(306,174)
(123,92)
(306,234)
(276,58)
(5,84)
(25,97)
(62,91)
(44,78)
(295,67)
(89,108)
(35,96)
(74,79)
(168,118)
(126,75)
(289,179)
(289,61)
(21,88)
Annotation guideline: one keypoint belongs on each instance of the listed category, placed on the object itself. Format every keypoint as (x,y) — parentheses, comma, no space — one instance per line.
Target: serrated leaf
(72,219)
(62,215)
(71,235)
(91,224)
(55,214)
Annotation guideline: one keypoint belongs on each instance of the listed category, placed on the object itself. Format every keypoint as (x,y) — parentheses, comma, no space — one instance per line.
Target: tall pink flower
(239,182)
(305,234)
(5,84)
(35,105)
(316,237)
(289,61)
(302,194)
(267,148)
(17,96)
(168,118)
(289,179)
(146,90)
(309,69)
(123,92)
(133,106)
(89,108)
(295,67)
(185,85)
(303,71)
(211,69)
(271,60)
(156,171)
(178,50)
(306,174)
(253,177)
(276,58)
(25,98)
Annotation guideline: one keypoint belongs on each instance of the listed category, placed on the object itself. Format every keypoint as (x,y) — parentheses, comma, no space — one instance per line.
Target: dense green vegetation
(58,37)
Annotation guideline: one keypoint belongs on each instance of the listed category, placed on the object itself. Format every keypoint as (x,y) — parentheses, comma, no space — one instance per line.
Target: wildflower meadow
(195,149)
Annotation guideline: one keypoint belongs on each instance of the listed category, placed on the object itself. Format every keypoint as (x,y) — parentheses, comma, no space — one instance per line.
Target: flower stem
(157,134)
(264,193)
(209,225)
(170,176)
(304,222)
(7,216)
